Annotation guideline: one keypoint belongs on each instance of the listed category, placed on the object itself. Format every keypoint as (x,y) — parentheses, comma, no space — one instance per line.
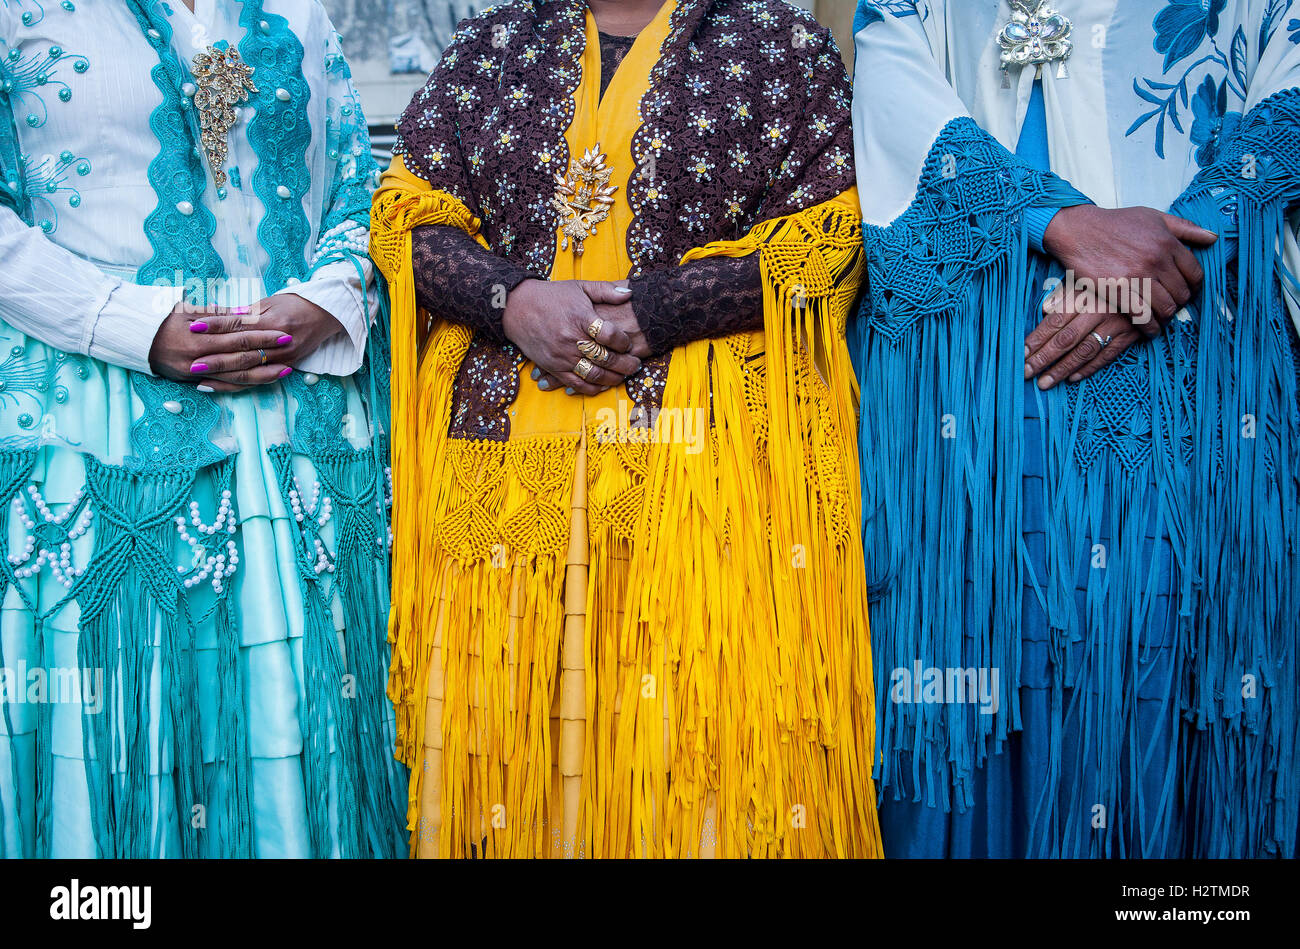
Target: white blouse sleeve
(346,291)
(52,295)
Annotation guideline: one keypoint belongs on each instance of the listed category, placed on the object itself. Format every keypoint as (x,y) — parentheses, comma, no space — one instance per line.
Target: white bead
(154,34)
(189,89)
(282,95)
(185,208)
(310,378)
(283,192)
(173,406)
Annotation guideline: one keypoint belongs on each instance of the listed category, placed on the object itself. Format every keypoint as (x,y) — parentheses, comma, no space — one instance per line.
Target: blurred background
(393,45)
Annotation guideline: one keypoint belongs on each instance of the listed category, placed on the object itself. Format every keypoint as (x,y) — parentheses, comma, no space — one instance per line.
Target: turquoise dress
(194,622)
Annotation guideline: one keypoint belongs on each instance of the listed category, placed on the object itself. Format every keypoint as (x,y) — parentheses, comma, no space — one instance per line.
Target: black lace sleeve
(456,278)
(701,300)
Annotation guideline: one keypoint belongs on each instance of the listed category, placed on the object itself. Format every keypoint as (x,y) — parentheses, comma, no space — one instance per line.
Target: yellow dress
(614,642)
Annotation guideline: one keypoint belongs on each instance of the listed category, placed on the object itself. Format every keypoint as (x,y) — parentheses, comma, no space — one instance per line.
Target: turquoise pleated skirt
(192,636)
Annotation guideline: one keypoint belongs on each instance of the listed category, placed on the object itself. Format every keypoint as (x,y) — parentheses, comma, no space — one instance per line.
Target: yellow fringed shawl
(606,642)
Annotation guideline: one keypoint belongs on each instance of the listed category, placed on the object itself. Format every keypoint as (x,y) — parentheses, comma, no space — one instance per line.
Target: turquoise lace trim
(280,139)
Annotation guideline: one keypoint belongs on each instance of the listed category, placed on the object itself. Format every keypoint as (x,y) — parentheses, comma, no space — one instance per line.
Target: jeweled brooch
(222,80)
(1037,34)
(583,197)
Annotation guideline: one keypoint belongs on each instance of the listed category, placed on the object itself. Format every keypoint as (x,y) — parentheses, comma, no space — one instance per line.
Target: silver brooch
(1037,34)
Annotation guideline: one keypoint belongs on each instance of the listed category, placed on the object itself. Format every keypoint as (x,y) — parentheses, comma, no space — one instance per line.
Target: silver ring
(262,353)
(1103,342)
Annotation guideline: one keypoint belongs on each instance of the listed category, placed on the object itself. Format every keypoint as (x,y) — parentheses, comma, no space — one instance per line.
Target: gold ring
(262,353)
(585,369)
(593,350)
(593,330)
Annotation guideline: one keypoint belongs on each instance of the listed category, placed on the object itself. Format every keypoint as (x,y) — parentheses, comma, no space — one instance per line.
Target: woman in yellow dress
(629,616)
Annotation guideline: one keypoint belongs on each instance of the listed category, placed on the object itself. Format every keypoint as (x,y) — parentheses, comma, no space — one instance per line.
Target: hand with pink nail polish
(243,347)
(206,345)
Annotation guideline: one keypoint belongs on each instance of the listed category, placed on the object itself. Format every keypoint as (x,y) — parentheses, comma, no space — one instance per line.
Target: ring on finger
(594,328)
(1102,341)
(585,369)
(594,351)
(262,353)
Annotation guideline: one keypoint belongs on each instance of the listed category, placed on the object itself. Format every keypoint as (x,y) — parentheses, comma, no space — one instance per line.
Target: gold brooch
(223,81)
(583,198)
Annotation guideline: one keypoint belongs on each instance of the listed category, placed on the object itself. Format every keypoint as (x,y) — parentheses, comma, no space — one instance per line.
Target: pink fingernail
(285,371)
(284,340)
(199,367)
(198,326)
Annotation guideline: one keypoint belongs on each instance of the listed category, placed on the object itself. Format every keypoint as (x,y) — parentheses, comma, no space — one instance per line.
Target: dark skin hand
(192,335)
(1140,252)
(620,328)
(547,318)
(219,349)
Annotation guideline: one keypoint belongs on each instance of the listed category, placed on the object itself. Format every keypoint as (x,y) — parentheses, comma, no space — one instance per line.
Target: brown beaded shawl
(746,119)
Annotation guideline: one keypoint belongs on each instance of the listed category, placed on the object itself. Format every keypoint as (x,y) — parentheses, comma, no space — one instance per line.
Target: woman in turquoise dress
(194,492)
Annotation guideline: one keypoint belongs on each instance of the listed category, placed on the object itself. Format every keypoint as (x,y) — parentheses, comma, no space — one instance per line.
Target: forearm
(704,299)
(52,295)
(457,279)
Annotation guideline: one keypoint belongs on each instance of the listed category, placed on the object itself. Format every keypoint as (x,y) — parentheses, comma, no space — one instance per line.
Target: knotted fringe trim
(421,414)
(143,751)
(717,693)
(1241,604)
(942,448)
(1219,767)
(128,591)
(940,351)
(135,621)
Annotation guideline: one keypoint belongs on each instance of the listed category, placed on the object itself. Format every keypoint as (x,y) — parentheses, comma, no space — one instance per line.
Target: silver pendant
(1037,34)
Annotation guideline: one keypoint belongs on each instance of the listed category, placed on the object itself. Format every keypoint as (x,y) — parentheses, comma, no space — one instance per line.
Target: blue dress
(1011,815)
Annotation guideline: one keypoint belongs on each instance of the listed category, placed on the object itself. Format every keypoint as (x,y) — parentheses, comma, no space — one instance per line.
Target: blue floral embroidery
(1213,123)
(1293,30)
(869,11)
(1272,19)
(1182,28)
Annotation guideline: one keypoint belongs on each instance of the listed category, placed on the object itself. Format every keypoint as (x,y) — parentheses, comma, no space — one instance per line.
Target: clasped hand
(229,349)
(1132,273)
(547,319)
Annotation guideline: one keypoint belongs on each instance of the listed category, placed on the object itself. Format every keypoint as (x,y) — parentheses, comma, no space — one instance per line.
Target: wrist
(515,300)
(1066,221)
